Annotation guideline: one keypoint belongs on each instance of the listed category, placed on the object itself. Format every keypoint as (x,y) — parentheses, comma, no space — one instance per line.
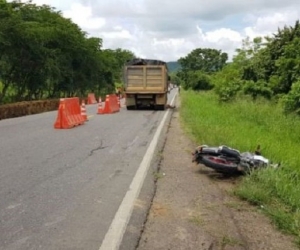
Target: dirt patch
(194,209)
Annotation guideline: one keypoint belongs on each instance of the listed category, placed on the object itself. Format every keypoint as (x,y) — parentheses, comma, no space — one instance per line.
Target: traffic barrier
(83,111)
(91,98)
(69,114)
(110,106)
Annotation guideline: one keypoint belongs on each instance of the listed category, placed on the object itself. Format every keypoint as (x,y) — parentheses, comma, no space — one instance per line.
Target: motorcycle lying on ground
(226,160)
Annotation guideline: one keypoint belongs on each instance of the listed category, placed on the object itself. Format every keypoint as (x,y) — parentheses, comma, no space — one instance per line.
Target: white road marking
(114,235)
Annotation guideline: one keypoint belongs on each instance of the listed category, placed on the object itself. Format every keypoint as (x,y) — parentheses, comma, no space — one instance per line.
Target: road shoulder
(193,207)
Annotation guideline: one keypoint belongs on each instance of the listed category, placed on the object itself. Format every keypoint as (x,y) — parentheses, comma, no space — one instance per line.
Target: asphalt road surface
(61,188)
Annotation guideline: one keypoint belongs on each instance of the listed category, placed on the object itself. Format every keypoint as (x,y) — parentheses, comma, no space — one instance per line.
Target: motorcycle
(224,159)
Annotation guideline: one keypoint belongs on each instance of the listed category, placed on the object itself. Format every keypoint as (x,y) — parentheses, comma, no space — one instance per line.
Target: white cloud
(168,29)
(265,24)
(118,33)
(220,35)
(82,15)
(61,5)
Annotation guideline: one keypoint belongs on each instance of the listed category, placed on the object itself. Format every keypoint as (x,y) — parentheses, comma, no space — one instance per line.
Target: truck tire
(159,107)
(133,107)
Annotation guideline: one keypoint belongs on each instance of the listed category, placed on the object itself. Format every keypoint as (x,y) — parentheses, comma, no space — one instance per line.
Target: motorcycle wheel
(220,165)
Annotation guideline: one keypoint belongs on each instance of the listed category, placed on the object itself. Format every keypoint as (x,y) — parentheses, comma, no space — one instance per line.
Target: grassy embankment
(243,125)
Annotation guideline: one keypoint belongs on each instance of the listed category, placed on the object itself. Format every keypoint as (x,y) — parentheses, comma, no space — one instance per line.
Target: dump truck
(146,84)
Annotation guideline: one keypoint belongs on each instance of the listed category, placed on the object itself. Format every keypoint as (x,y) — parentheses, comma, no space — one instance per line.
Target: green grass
(243,125)
(197,220)
(229,241)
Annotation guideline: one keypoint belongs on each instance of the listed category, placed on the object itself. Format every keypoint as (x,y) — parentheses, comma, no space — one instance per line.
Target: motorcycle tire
(220,165)
(229,151)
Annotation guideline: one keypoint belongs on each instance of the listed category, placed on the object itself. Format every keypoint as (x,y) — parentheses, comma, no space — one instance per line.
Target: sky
(167,30)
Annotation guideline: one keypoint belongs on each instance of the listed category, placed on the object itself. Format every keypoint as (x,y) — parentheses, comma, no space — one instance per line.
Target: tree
(202,59)
(280,59)
(44,55)
(206,60)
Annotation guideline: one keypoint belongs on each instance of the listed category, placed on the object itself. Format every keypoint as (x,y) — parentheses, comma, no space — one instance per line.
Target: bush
(227,91)
(198,80)
(291,101)
(255,89)
(201,82)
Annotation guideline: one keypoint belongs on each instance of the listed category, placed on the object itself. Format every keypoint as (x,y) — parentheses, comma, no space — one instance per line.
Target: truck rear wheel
(132,107)
(159,107)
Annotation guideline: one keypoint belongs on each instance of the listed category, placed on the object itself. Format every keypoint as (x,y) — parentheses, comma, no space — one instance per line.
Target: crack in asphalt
(98,148)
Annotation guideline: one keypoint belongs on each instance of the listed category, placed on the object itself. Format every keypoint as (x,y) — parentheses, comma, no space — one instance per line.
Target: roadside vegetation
(243,125)
(252,100)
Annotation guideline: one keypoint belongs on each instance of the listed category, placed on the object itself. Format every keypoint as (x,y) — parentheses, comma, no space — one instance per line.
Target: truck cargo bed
(146,84)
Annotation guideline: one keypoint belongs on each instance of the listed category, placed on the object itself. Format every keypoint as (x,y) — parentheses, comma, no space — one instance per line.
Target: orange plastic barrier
(91,98)
(111,105)
(69,114)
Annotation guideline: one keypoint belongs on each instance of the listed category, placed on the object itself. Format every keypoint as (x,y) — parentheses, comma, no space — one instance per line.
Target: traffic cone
(83,111)
(119,103)
(100,108)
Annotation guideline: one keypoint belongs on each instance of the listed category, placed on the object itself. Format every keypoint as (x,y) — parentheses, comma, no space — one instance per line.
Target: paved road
(60,189)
